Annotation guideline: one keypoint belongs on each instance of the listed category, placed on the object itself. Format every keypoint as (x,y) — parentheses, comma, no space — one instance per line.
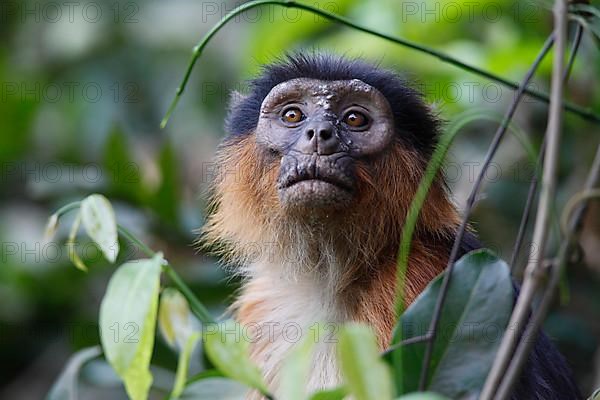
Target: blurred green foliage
(82,94)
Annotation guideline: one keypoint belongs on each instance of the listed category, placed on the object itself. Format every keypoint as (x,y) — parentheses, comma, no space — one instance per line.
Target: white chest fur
(282,311)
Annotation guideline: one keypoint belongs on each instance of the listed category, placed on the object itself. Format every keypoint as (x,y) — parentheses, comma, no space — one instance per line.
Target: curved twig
(530,334)
(534,271)
(534,180)
(197,51)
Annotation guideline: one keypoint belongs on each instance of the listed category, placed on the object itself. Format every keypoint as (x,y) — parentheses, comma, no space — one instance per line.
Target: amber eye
(356,119)
(292,115)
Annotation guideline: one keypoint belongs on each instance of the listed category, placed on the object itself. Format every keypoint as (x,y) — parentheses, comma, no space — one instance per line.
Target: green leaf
(295,371)
(227,348)
(211,388)
(66,386)
(330,394)
(100,224)
(422,396)
(71,245)
(365,374)
(477,310)
(128,321)
(175,318)
(183,365)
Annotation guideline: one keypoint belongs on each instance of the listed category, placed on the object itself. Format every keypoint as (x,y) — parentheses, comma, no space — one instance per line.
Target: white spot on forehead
(322,90)
(359,85)
(328,90)
(323,96)
(322,101)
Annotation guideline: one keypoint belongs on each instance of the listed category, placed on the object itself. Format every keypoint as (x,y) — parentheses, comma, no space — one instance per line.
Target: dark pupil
(292,115)
(355,119)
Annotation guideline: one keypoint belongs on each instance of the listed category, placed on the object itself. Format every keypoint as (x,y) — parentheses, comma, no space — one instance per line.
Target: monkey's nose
(319,138)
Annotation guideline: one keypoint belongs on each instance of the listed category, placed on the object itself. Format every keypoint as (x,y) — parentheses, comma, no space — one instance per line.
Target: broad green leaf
(100,224)
(295,371)
(422,396)
(211,388)
(183,365)
(330,394)
(128,321)
(365,374)
(174,318)
(227,348)
(473,320)
(66,386)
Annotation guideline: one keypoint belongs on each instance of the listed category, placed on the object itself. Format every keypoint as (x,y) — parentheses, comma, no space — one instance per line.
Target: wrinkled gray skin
(318,154)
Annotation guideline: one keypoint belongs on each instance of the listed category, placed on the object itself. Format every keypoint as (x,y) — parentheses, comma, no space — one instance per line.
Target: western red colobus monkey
(322,159)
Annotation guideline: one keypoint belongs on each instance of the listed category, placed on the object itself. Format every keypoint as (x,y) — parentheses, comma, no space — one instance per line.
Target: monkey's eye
(292,115)
(356,119)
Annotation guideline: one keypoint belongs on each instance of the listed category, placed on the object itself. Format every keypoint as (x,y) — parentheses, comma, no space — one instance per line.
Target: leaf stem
(198,309)
(66,208)
(131,237)
(196,306)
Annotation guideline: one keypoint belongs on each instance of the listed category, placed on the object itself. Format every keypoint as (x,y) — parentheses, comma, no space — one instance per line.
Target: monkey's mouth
(318,181)
(315,185)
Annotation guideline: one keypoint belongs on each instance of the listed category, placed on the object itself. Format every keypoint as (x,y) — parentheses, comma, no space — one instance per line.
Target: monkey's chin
(315,195)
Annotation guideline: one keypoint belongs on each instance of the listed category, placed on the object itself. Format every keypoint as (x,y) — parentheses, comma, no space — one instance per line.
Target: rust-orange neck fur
(349,258)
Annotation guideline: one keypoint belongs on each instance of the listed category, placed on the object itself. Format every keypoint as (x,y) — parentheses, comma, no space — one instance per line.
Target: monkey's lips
(316,187)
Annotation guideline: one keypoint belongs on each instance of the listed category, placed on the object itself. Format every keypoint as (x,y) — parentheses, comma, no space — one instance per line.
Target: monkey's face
(318,131)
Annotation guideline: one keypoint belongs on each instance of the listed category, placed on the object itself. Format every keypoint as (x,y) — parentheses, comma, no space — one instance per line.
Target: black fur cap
(416,125)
